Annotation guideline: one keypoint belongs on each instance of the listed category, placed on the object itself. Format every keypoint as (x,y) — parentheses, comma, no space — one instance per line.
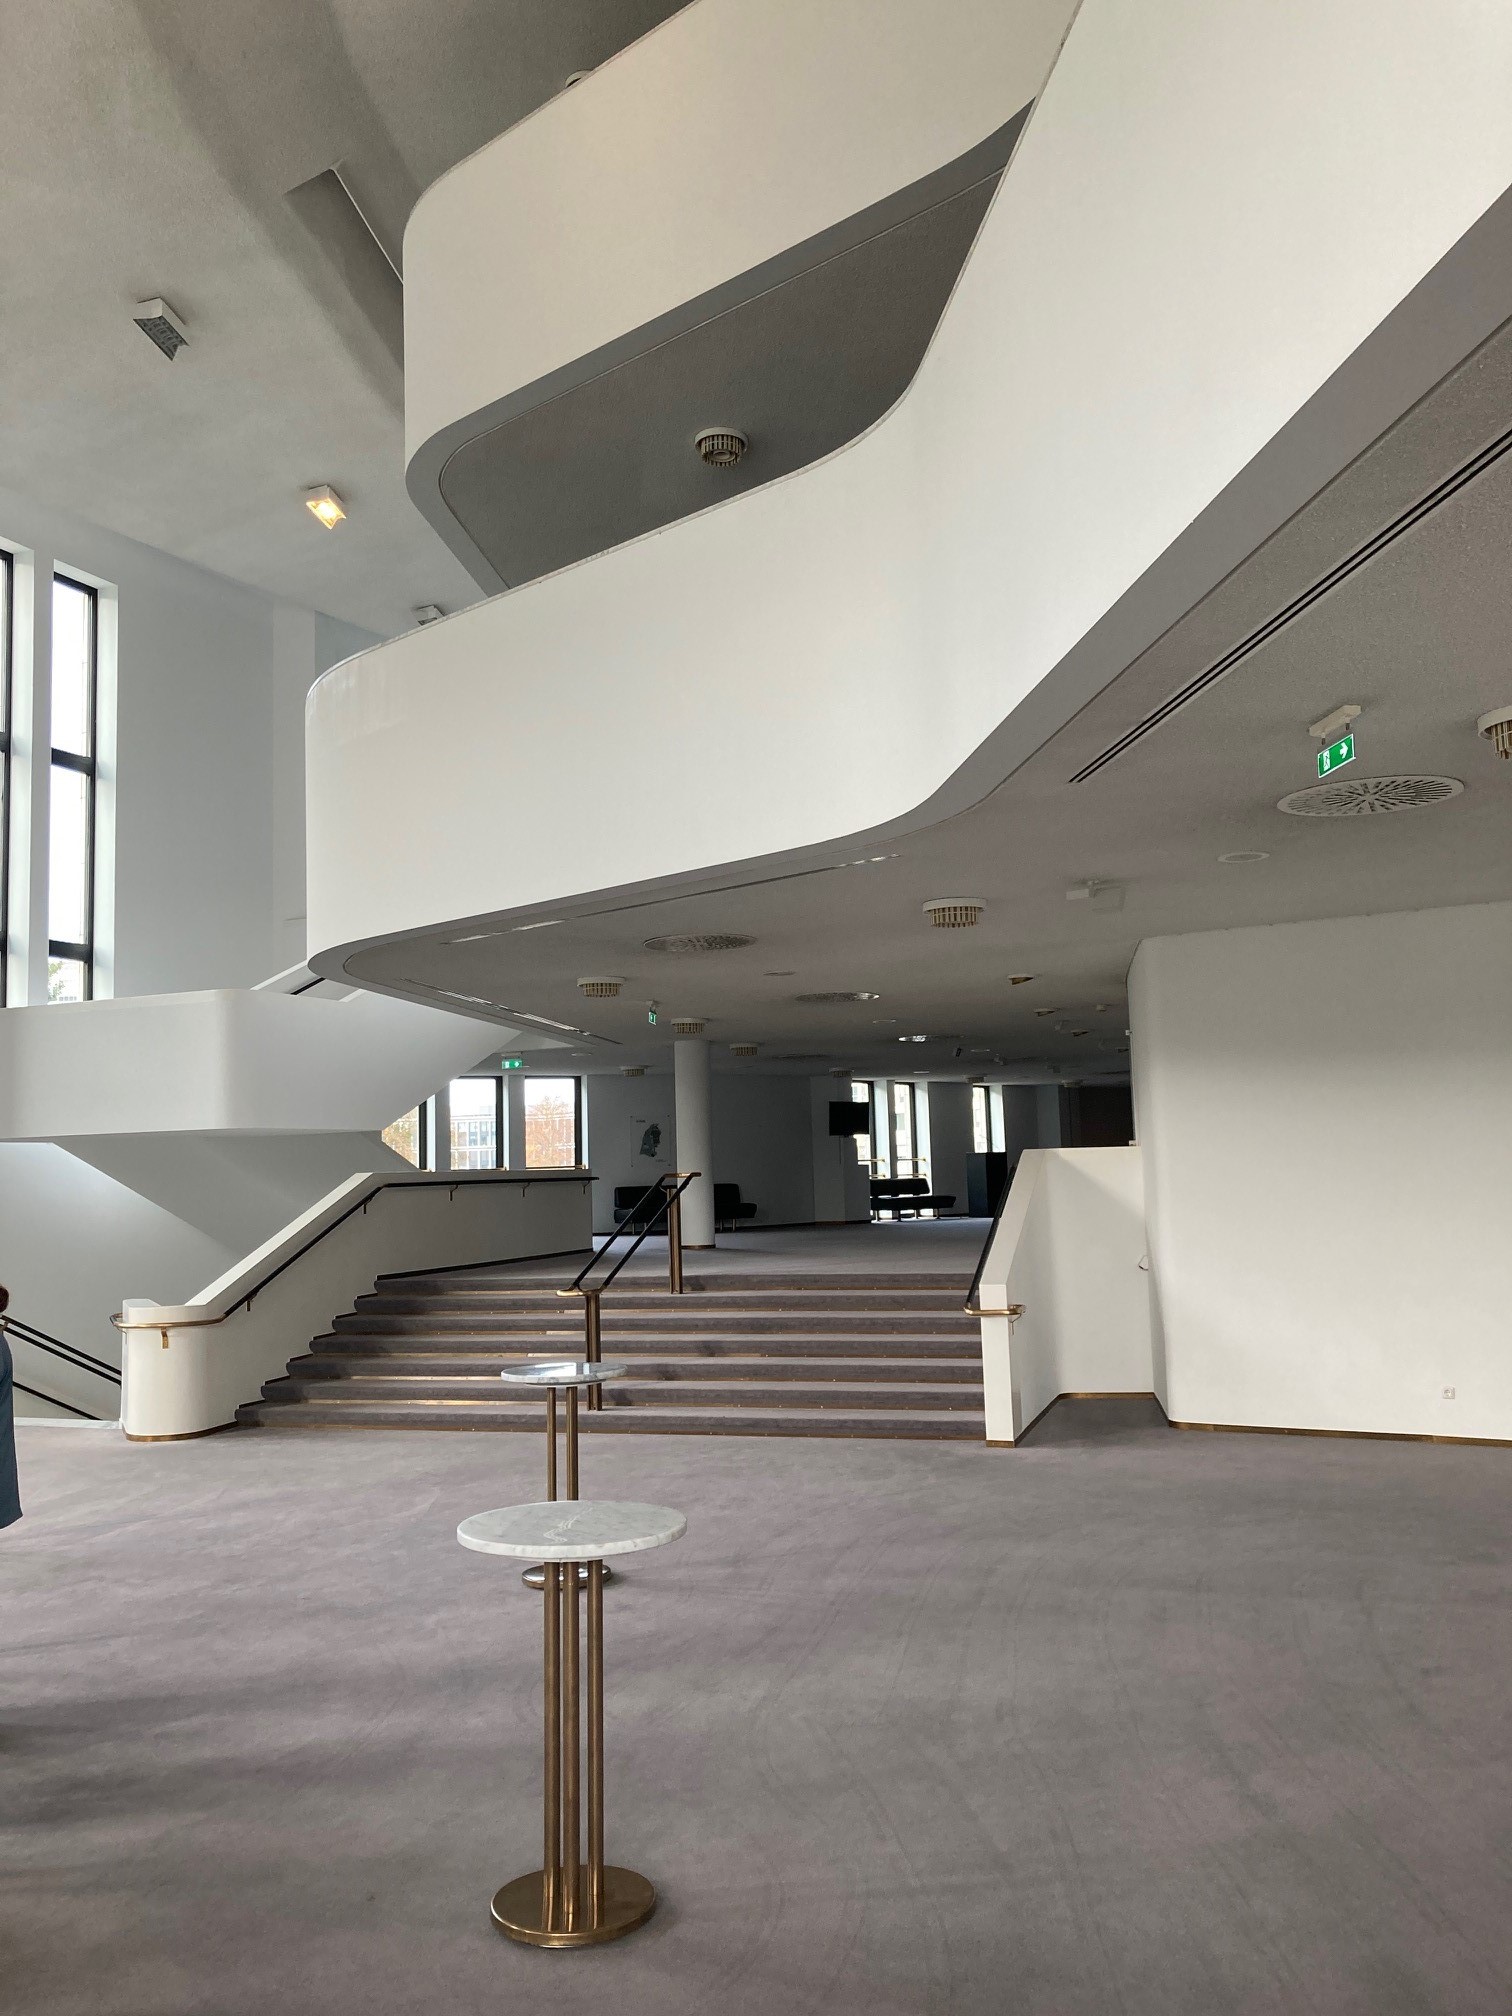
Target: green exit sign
(651,1017)
(513,1063)
(1336,755)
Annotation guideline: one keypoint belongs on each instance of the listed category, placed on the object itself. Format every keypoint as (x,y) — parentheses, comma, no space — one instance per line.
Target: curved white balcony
(1210,211)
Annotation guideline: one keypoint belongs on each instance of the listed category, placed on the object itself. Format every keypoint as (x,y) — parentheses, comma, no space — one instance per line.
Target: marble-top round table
(551,1376)
(573,1899)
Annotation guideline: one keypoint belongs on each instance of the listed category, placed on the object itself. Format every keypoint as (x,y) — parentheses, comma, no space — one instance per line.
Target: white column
(514,1119)
(441,1129)
(695,1144)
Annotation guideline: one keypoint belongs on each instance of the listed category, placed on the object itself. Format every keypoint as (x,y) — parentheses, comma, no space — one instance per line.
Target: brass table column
(562,1375)
(573,1899)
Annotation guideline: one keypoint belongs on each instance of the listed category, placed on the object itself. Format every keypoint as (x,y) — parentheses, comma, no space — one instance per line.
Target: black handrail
(997,1219)
(82,1361)
(53,1401)
(669,1197)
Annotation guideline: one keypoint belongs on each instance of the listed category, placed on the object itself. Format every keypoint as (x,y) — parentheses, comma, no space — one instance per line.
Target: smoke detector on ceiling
(164,325)
(600,987)
(1497,727)
(1369,794)
(954,913)
(744,1049)
(687,1025)
(721,447)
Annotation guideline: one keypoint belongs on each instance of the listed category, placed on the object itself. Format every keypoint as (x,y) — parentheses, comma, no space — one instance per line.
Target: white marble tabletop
(561,1372)
(571,1529)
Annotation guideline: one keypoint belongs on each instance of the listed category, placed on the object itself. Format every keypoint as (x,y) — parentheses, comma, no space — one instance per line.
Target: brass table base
(535,1578)
(629,1901)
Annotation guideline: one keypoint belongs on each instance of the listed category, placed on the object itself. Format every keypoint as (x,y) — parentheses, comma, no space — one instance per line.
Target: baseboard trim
(190,1435)
(1345,1434)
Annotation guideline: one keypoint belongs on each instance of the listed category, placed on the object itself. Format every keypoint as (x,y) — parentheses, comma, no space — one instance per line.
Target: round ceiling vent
(828,1000)
(600,987)
(721,447)
(954,913)
(744,1049)
(687,1025)
(699,941)
(1369,794)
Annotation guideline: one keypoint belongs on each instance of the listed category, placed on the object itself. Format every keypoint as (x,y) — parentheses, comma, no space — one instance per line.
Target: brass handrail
(671,1209)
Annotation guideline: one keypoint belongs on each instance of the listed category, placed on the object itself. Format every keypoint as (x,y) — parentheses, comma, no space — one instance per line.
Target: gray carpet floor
(1124,1720)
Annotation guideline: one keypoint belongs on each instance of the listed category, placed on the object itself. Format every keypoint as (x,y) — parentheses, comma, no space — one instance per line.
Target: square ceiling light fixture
(325,505)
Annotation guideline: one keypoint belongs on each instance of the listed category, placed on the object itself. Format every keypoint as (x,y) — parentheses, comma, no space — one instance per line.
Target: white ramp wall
(1325,1112)
(1067,1251)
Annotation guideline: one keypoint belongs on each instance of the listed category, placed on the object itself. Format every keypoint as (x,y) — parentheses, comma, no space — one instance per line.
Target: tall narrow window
(861,1093)
(476,1122)
(71,828)
(5,745)
(552,1122)
(905,1161)
(981,1135)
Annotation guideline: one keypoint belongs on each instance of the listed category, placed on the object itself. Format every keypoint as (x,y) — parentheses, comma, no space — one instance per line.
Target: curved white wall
(723,138)
(1211,208)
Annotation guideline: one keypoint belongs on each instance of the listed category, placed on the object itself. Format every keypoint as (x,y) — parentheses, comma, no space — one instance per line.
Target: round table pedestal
(628,1901)
(535,1578)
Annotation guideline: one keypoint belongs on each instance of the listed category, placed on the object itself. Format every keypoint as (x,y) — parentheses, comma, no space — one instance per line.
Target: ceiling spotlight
(162,324)
(954,913)
(1497,727)
(1245,854)
(600,987)
(721,447)
(743,1049)
(1019,979)
(913,1039)
(325,505)
(687,1025)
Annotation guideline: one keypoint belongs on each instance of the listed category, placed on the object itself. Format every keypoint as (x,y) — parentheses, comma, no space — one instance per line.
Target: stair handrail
(70,1354)
(972,1307)
(82,1361)
(670,1208)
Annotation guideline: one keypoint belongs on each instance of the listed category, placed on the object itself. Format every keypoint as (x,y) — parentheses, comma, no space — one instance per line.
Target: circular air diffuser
(687,1025)
(699,941)
(721,447)
(1369,794)
(954,913)
(599,987)
(743,1049)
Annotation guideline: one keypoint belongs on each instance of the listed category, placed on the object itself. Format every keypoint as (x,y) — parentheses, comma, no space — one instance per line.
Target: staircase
(737,1354)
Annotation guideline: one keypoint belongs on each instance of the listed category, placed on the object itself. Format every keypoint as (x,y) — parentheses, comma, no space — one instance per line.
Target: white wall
(770,1136)
(1067,1249)
(1325,1113)
(210,686)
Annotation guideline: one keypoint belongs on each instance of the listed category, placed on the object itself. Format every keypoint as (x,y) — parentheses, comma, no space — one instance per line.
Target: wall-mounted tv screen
(849,1116)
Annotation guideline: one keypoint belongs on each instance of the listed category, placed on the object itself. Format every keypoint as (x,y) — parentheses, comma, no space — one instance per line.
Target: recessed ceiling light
(1019,979)
(325,505)
(781,973)
(1049,1011)
(542,924)
(1243,855)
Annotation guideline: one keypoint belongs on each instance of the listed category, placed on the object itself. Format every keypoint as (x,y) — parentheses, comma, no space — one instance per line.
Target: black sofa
(907,1196)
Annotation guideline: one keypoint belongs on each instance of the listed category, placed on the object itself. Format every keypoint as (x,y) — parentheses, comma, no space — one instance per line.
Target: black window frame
(499,1113)
(82,950)
(557,1078)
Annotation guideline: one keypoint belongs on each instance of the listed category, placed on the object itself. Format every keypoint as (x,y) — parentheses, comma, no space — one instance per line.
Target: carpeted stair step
(483,1391)
(487,1365)
(923,1424)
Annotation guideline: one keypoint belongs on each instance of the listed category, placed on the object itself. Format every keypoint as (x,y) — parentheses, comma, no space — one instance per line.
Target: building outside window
(552,1122)
(5,745)
(981,1123)
(407,1135)
(861,1093)
(73,774)
(477,1125)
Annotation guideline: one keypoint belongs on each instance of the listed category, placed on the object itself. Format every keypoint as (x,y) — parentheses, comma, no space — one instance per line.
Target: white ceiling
(149,149)
(1417,638)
